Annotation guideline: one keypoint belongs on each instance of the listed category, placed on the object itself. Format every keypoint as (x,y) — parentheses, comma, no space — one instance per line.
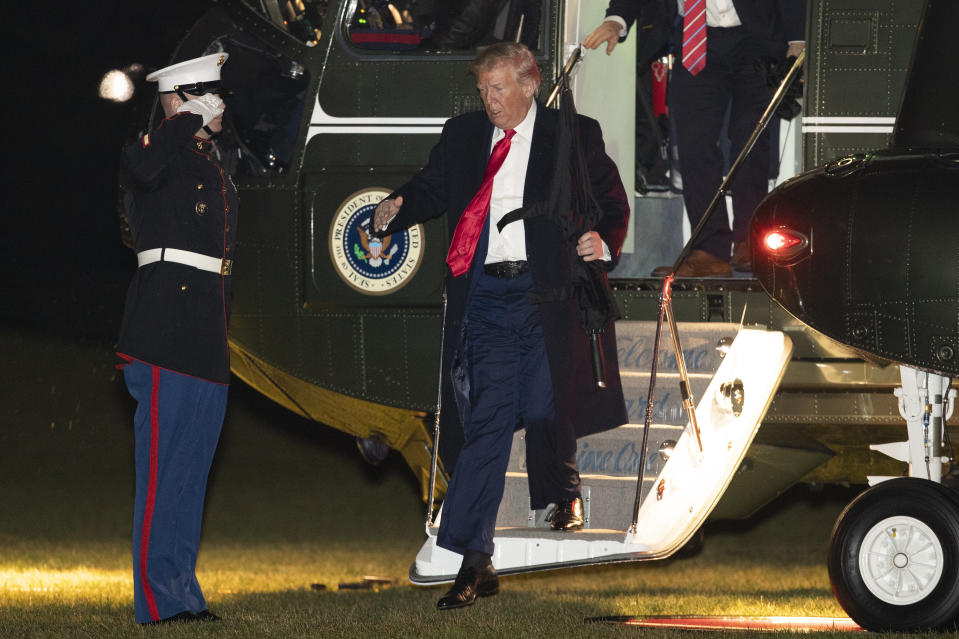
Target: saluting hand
(209,107)
(607,32)
(590,246)
(385,211)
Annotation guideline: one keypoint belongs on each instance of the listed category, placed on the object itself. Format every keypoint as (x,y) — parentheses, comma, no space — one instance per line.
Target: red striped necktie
(470,226)
(694,36)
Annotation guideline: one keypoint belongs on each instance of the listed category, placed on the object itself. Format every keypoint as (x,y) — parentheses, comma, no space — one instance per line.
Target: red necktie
(470,226)
(694,36)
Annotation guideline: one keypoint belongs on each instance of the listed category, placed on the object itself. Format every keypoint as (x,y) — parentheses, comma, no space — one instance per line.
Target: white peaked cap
(203,69)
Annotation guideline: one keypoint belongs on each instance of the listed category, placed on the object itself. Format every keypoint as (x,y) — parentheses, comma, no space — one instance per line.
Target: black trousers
(510,384)
(698,104)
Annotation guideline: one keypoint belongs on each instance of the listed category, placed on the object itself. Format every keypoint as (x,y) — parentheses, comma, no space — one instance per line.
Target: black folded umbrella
(573,207)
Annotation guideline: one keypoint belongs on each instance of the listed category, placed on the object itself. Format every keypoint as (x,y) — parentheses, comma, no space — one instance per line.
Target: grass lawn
(291,504)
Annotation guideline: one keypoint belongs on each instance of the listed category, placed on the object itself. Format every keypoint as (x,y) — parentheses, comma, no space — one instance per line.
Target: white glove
(207,106)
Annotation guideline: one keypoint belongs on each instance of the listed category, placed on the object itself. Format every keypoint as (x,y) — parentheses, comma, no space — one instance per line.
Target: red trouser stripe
(151,494)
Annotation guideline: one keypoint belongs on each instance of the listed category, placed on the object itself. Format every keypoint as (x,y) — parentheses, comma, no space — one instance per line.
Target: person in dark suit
(509,362)
(738,33)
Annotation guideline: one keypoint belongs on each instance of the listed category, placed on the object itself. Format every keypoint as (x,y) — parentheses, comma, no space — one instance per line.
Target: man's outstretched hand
(385,211)
(607,32)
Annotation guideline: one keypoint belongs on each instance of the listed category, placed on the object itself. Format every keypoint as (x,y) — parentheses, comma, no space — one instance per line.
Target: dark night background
(66,442)
(64,267)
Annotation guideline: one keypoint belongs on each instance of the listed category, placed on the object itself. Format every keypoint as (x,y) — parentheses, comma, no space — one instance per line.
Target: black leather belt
(506,270)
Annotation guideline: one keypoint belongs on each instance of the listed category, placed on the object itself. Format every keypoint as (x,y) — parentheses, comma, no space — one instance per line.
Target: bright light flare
(116,86)
(777,241)
(722,622)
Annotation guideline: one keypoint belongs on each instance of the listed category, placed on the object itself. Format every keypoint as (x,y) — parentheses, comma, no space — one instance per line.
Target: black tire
(924,559)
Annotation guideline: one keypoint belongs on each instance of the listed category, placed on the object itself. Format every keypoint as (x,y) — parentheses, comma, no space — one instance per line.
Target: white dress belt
(196,260)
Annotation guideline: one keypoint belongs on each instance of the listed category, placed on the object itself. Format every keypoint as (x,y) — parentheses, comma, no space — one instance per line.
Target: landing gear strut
(894,554)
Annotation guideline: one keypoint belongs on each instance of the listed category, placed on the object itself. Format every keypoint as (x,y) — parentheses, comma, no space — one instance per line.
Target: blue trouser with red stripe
(176,428)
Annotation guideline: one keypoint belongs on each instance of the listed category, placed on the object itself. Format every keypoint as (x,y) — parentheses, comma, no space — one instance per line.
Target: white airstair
(733,375)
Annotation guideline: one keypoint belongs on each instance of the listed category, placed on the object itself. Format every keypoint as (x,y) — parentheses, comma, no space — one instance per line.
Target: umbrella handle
(598,359)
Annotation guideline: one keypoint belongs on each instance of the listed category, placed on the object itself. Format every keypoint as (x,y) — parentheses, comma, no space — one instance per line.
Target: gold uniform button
(183,287)
(199,145)
(199,187)
(200,208)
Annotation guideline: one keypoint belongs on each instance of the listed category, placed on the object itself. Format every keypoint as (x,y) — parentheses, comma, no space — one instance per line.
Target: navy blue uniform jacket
(176,316)
(447,184)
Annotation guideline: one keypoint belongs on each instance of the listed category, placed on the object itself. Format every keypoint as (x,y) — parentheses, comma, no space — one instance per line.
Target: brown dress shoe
(568,515)
(698,264)
(742,258)
(470,583)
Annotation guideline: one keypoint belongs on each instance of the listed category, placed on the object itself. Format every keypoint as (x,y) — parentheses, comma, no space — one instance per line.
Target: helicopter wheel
(894,556)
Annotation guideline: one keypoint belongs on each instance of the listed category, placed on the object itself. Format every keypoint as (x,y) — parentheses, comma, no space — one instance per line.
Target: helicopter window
(265,99)
(434,25)
(303,19)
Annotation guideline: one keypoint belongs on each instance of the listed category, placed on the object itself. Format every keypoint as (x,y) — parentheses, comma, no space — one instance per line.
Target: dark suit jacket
(447,184)
(772,22)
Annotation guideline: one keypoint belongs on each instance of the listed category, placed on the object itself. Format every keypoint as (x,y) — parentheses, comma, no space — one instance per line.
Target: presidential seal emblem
(372,265)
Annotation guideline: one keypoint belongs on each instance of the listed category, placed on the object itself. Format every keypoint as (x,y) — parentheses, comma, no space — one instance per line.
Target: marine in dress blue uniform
(173,338)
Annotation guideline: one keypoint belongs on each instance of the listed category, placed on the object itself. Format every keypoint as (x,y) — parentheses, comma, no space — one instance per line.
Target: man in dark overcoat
(173,340)
(509,362)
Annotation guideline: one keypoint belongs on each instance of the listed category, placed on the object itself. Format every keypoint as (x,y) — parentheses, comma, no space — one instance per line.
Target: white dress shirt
(719,13)
(508,186)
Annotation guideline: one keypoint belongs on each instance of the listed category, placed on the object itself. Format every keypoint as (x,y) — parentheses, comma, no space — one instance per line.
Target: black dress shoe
(470,583)
(568,515)
(186,615)
(206,615)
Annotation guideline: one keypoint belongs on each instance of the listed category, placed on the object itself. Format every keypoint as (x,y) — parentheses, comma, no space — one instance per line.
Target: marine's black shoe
(206,615)
(568,515)
(471,582)
(186,615)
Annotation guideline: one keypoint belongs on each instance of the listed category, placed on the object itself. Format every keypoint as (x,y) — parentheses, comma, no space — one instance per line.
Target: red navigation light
(782,240)
(785,246)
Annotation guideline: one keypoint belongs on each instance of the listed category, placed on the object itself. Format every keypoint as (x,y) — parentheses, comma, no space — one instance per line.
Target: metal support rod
(436,426)
(665,308)
(664,299)
(688,402)
(750,143)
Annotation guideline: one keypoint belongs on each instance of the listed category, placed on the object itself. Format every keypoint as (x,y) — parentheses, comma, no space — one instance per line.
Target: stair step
(608,462)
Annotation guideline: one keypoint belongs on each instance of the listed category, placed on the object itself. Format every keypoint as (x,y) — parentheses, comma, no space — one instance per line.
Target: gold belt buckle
(226,267)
